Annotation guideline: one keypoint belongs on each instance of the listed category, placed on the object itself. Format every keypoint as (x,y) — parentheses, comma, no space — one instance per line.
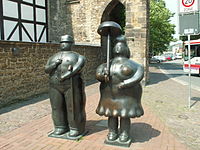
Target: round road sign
(187,3)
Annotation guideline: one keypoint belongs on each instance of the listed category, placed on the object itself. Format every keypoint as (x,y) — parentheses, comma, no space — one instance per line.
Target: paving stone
(149,132)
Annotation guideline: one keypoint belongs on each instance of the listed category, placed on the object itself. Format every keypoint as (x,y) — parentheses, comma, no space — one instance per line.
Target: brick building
(81,19)
(31,31)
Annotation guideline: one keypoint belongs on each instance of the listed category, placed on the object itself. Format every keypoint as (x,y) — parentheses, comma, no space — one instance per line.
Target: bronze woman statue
(67,94)
(121,93)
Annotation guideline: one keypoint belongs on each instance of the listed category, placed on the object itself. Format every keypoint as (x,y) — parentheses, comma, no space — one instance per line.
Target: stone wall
(22,72)
(81,18)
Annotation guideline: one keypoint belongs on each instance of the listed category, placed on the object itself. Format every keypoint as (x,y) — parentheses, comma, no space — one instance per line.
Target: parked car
(161,58)
(170,56)
(154,60)
(179,56)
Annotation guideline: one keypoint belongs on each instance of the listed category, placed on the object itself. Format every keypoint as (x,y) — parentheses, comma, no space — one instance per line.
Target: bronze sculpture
(120,90)
(67,94)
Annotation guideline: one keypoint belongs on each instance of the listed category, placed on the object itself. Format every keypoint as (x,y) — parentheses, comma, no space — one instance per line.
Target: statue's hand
(62,79)
(106,77)
(67,75)
(106,74)
(70,68)
(58,62)
(105,71)
(121,85)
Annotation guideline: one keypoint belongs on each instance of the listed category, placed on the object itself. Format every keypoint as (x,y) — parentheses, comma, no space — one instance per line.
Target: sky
(172,5)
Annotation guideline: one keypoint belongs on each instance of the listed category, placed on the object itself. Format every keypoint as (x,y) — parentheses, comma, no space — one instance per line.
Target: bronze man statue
(67,94)
(120,92)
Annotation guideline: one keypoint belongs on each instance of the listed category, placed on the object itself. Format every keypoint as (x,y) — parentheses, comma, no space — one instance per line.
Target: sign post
(189,65)
(188,10)
(189,32)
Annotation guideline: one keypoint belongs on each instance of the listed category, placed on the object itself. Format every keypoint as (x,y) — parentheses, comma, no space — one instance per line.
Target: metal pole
(108,53)
(108,59)
(189,65)
(70,68)
(72,98)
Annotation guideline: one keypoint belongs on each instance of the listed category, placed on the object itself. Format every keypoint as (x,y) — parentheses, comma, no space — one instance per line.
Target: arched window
(115,11)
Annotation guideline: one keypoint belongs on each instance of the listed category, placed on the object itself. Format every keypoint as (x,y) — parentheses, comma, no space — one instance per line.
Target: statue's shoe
(73,133)
(123,137)
(60,131)
(112,136)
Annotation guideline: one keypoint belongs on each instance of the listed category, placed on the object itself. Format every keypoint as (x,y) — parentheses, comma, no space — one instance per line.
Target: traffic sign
(189,31)
(188,6)
(189,24)
(188,3)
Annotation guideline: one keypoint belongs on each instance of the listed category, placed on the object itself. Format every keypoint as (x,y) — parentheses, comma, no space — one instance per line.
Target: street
(174,70)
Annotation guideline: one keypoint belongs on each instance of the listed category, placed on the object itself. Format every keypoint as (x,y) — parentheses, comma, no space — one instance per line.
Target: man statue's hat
(67,38)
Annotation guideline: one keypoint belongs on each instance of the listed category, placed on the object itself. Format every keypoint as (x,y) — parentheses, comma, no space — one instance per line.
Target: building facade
(30,34)
(81,18)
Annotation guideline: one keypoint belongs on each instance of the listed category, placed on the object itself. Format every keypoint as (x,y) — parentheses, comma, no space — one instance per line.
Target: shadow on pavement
(141,132)
(194,75)
(195,99)
(94,126)
(26,102)
(175,75)
(31,100)
(156,78)
(159,77)
(171,66)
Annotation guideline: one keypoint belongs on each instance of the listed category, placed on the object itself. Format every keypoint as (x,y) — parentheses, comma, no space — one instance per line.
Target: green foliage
(161,30)
(122,16)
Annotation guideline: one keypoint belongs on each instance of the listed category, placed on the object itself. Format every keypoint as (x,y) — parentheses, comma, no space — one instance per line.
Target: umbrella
(109,28)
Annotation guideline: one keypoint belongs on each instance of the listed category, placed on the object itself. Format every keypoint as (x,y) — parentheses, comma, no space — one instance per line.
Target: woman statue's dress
(120,102)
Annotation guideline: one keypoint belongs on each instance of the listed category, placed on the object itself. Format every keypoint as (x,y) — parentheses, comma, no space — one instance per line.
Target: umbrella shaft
(108,54)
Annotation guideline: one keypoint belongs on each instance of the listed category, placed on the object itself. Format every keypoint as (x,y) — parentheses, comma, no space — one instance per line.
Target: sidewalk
(148,131)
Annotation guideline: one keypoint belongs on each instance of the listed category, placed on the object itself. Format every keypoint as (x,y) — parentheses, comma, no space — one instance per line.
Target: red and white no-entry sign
(187,6)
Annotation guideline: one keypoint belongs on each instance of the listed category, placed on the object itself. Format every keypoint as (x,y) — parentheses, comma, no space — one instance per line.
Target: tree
(161,30)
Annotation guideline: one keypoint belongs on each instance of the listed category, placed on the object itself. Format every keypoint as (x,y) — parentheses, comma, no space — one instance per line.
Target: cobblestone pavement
(166,125)
(169,100)
(16,115)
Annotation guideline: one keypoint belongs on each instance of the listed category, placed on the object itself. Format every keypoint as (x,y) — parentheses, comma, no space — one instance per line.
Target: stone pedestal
(66,136)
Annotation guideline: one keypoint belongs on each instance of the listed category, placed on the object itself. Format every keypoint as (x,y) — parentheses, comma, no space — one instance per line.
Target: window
(23,20)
